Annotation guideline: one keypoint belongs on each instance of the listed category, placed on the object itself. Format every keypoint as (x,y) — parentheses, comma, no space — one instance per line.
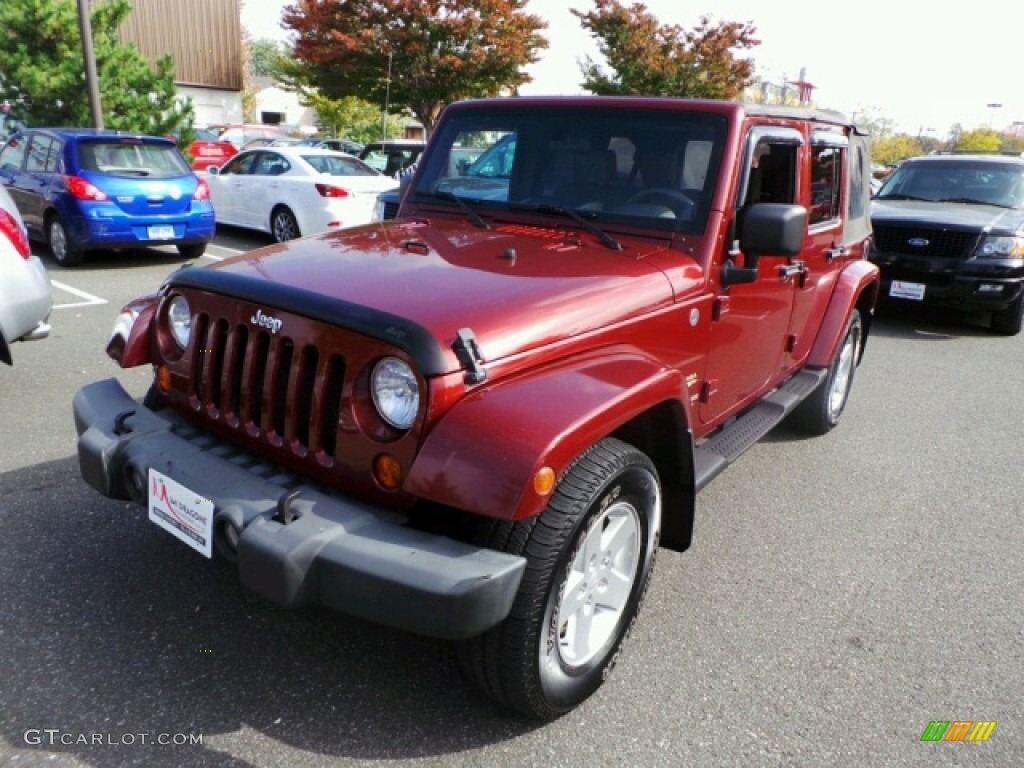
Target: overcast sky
(923,64)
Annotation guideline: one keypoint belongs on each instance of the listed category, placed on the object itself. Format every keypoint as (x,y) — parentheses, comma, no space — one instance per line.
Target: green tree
(653,59)
(41,51)
(978,140)
(264,57)
(351,117)
(895,148)
(438,51)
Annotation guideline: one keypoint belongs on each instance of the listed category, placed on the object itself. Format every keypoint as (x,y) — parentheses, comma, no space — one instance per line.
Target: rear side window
(339,166)
(13,155)
(826,178)
(132,158)
(42,154)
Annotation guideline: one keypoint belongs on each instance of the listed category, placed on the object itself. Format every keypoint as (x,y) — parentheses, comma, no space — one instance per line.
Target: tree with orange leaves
(436,51)
(648,58)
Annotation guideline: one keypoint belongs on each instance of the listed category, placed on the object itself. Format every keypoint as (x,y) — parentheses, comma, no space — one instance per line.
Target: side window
(242,164)
(13,155)
(857,181)
(39,152)
(270,164)
(772,177)
(826,183)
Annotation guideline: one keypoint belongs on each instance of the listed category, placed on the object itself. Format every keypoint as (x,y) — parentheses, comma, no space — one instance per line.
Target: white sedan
(295,191)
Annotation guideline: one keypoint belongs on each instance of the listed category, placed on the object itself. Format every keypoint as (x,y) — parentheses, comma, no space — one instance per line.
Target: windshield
(972,183)
(649,168)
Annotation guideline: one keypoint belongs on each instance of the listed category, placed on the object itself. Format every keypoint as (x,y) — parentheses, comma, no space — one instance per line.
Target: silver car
(25,297)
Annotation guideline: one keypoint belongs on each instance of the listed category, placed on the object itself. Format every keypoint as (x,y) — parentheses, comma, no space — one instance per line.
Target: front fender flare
(856,286)
(483,454)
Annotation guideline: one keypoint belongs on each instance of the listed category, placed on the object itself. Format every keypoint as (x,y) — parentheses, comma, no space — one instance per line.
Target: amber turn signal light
(163,378)
(387,471)
(544,481)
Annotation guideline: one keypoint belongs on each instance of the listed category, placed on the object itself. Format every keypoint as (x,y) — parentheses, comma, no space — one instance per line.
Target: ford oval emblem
(917,242)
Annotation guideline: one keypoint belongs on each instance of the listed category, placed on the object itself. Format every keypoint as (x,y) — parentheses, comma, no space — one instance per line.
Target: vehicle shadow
(112,627)
(926,323)
(119,259)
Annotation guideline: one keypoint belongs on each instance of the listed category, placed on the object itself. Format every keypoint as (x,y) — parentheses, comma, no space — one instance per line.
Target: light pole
(993,107)
(91,78)
(387,99)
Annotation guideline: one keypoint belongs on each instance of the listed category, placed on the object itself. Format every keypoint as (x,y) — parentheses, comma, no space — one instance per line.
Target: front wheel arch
(590,558)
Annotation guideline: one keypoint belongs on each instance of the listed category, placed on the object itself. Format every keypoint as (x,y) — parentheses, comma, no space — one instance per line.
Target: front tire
(283,225)
(1008,321)
(63,249)
(820,412)
(590,557)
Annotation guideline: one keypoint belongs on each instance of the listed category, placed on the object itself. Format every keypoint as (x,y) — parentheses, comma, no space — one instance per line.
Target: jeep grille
(264,385)
(935,243)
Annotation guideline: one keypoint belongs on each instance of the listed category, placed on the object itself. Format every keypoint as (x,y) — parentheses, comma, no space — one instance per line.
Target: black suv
(949,231)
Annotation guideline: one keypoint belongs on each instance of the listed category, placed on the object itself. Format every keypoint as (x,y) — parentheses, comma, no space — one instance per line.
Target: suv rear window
(132,158)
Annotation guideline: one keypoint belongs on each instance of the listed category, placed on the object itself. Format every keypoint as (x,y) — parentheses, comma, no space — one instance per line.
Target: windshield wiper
(898,196)
(972,201)
(558,210)
(444,194)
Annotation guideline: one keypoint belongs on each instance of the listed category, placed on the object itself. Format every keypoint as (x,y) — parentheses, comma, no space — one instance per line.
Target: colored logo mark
(958,730)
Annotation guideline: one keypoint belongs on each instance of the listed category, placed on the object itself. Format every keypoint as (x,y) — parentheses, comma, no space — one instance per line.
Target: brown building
(205,39)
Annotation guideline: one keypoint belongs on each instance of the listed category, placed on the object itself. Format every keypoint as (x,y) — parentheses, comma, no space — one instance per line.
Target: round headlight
(179,318)
(396,395)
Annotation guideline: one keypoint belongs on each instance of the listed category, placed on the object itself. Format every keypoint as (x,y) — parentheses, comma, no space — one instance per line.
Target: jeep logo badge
(917,242)
(266,321)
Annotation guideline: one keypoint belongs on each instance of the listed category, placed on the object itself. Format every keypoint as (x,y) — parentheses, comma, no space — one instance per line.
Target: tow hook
(285,513)
(120,428)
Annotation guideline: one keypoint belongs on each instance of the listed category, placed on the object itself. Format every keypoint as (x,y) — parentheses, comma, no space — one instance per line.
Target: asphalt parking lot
(842,593)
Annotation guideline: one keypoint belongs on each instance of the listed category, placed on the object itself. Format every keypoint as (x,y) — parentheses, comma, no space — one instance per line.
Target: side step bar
(720,450)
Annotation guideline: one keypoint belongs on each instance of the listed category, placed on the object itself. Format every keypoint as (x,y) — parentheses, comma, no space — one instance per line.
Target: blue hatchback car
(80,189)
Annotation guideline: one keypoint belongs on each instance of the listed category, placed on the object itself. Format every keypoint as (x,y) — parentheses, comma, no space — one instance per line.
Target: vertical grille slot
(231,381)
(330,411)
(215,363)
(304,393)
(199,346)
(276,399)
(255,375)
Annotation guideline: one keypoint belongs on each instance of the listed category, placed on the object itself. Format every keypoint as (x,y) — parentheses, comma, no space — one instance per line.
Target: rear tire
(1008,321)
(283,225)
(63,249)
(820,412)
(192,250)
(590,557)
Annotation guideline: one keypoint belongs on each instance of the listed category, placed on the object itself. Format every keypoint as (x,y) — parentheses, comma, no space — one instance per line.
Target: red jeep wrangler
(480,420)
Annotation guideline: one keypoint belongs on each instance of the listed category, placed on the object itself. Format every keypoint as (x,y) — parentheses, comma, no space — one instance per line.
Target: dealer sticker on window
(900,289)
(181,512)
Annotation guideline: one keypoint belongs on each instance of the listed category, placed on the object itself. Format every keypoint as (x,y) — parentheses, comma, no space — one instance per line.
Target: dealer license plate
(181,512)
(161,232)
(900,289)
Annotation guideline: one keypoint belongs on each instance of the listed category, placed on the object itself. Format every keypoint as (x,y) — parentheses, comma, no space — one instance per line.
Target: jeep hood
(517,287)
(961,216)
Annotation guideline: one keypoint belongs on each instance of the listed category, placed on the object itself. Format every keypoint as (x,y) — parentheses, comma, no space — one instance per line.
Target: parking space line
(90,300)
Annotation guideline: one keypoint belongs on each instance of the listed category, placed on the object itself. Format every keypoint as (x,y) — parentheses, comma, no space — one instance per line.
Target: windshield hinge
(468,352)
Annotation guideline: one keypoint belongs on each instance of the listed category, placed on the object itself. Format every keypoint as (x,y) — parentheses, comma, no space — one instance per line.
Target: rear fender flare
(856,288)
(484,452)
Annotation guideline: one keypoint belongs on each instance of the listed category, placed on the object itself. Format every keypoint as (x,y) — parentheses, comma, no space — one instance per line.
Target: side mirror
(766,229)
(213,170)
(772,229)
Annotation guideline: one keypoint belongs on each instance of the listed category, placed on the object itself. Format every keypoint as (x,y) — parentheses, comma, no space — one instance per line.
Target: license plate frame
(902,289)
(160,232)
(183,513)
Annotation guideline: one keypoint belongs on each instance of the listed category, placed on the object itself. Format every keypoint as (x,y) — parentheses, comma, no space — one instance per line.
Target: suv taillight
(11,227)
(326,190)
(202,191)
(84,190)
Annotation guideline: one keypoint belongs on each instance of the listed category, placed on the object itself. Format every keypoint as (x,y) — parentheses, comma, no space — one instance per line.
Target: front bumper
(337,552)
(971,286)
